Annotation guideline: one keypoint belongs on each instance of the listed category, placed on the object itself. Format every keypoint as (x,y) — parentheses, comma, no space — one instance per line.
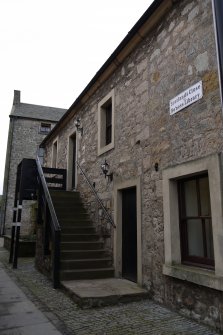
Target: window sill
(194,275)
(105,148)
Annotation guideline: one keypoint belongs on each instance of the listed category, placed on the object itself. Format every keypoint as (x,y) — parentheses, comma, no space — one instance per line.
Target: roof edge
(113,58)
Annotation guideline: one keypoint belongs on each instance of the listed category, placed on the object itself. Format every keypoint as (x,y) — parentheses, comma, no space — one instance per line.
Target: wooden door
(129,234)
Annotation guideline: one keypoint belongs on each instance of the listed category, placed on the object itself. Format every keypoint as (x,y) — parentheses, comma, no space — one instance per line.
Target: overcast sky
(50,49)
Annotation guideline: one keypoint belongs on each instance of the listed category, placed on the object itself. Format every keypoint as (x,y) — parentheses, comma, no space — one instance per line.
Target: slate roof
(37,112)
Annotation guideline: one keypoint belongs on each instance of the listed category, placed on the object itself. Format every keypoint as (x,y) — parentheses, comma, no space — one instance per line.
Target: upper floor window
(45,128)
(195,221)
(106,123)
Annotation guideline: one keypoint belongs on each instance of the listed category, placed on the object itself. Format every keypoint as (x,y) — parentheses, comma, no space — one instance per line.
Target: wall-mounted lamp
(156,166)
(105,170)
(78,125)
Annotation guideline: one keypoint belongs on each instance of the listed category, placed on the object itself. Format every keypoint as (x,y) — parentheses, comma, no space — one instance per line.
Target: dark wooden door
(129,234)
(74,162)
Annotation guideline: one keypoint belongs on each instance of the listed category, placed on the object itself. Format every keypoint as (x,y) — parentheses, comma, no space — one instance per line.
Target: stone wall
(25,140)
(178,53)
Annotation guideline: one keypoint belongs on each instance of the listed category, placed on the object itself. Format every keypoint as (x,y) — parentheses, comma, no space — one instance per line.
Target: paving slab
(134,318)
(18,315)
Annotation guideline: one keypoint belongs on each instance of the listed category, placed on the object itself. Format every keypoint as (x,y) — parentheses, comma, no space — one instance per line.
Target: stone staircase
(82,251)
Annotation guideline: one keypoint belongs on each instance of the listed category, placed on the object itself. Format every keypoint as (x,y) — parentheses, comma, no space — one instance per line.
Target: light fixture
(78,125)
(105,170)
(156,167)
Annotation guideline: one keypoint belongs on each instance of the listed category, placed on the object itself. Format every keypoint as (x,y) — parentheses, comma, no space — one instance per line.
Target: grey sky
(50,49)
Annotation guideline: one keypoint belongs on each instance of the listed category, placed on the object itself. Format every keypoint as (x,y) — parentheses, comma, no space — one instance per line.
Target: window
(193,209)
(45,128)
(106,123)
(195,221)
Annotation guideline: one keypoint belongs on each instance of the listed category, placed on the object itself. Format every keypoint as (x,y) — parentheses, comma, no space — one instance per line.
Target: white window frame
(45,132)
(173,267)
(102,148)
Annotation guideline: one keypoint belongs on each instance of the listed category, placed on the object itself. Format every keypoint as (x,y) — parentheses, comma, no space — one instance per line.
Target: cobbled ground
(144,317)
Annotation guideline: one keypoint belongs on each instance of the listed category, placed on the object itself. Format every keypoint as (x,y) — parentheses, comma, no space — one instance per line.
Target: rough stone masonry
(178,53)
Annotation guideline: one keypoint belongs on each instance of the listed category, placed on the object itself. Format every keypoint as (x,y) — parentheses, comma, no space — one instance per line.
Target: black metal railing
(106,214)
(25,189)
(56,180)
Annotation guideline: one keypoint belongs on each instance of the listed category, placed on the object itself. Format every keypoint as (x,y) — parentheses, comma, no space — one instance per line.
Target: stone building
(29,124)
(153,112)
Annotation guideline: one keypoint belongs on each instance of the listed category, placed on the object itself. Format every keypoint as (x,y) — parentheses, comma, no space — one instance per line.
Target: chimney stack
(16,100)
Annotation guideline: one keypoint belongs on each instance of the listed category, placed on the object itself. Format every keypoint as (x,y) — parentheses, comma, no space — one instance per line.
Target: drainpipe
(217,8)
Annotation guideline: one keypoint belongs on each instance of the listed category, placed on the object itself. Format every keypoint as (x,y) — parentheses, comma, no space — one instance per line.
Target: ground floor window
(195,221)
(193,216)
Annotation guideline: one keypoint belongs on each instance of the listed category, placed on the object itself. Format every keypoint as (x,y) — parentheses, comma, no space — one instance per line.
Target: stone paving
(144,317)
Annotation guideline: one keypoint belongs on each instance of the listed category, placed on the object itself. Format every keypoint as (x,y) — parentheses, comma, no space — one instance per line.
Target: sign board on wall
(186,98)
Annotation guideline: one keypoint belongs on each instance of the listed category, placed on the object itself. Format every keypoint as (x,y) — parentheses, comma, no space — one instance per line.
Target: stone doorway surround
(54,153)
(118,188)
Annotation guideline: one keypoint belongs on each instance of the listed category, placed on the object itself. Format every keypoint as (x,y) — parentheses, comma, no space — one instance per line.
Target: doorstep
(103,292)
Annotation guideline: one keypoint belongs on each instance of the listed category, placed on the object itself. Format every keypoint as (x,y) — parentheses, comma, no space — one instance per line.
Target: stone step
(89,245)
(67,202)
(79,237)
(61,194)
(69,223)
(104,292)
(86,274)
(72,216)
(94,263)
(78,230)
(83,254)
(69,206)
(68,215)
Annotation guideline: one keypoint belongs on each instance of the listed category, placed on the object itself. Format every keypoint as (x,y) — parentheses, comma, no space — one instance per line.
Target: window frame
(173,266)
(45,125)
(103,126)
(184,218)
(108,123)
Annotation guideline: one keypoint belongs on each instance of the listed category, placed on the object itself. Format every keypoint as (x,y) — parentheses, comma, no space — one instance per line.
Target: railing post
(56,261)
(13,233)
(39,199)
(46,229)
(17,232)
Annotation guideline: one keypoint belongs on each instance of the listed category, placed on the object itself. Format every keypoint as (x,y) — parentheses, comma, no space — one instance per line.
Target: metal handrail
(96,196)
(47,195)
(55,226)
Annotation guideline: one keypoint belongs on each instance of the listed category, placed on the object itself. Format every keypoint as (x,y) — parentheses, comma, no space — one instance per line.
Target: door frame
(118,188)
(70,160)
(54,156)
